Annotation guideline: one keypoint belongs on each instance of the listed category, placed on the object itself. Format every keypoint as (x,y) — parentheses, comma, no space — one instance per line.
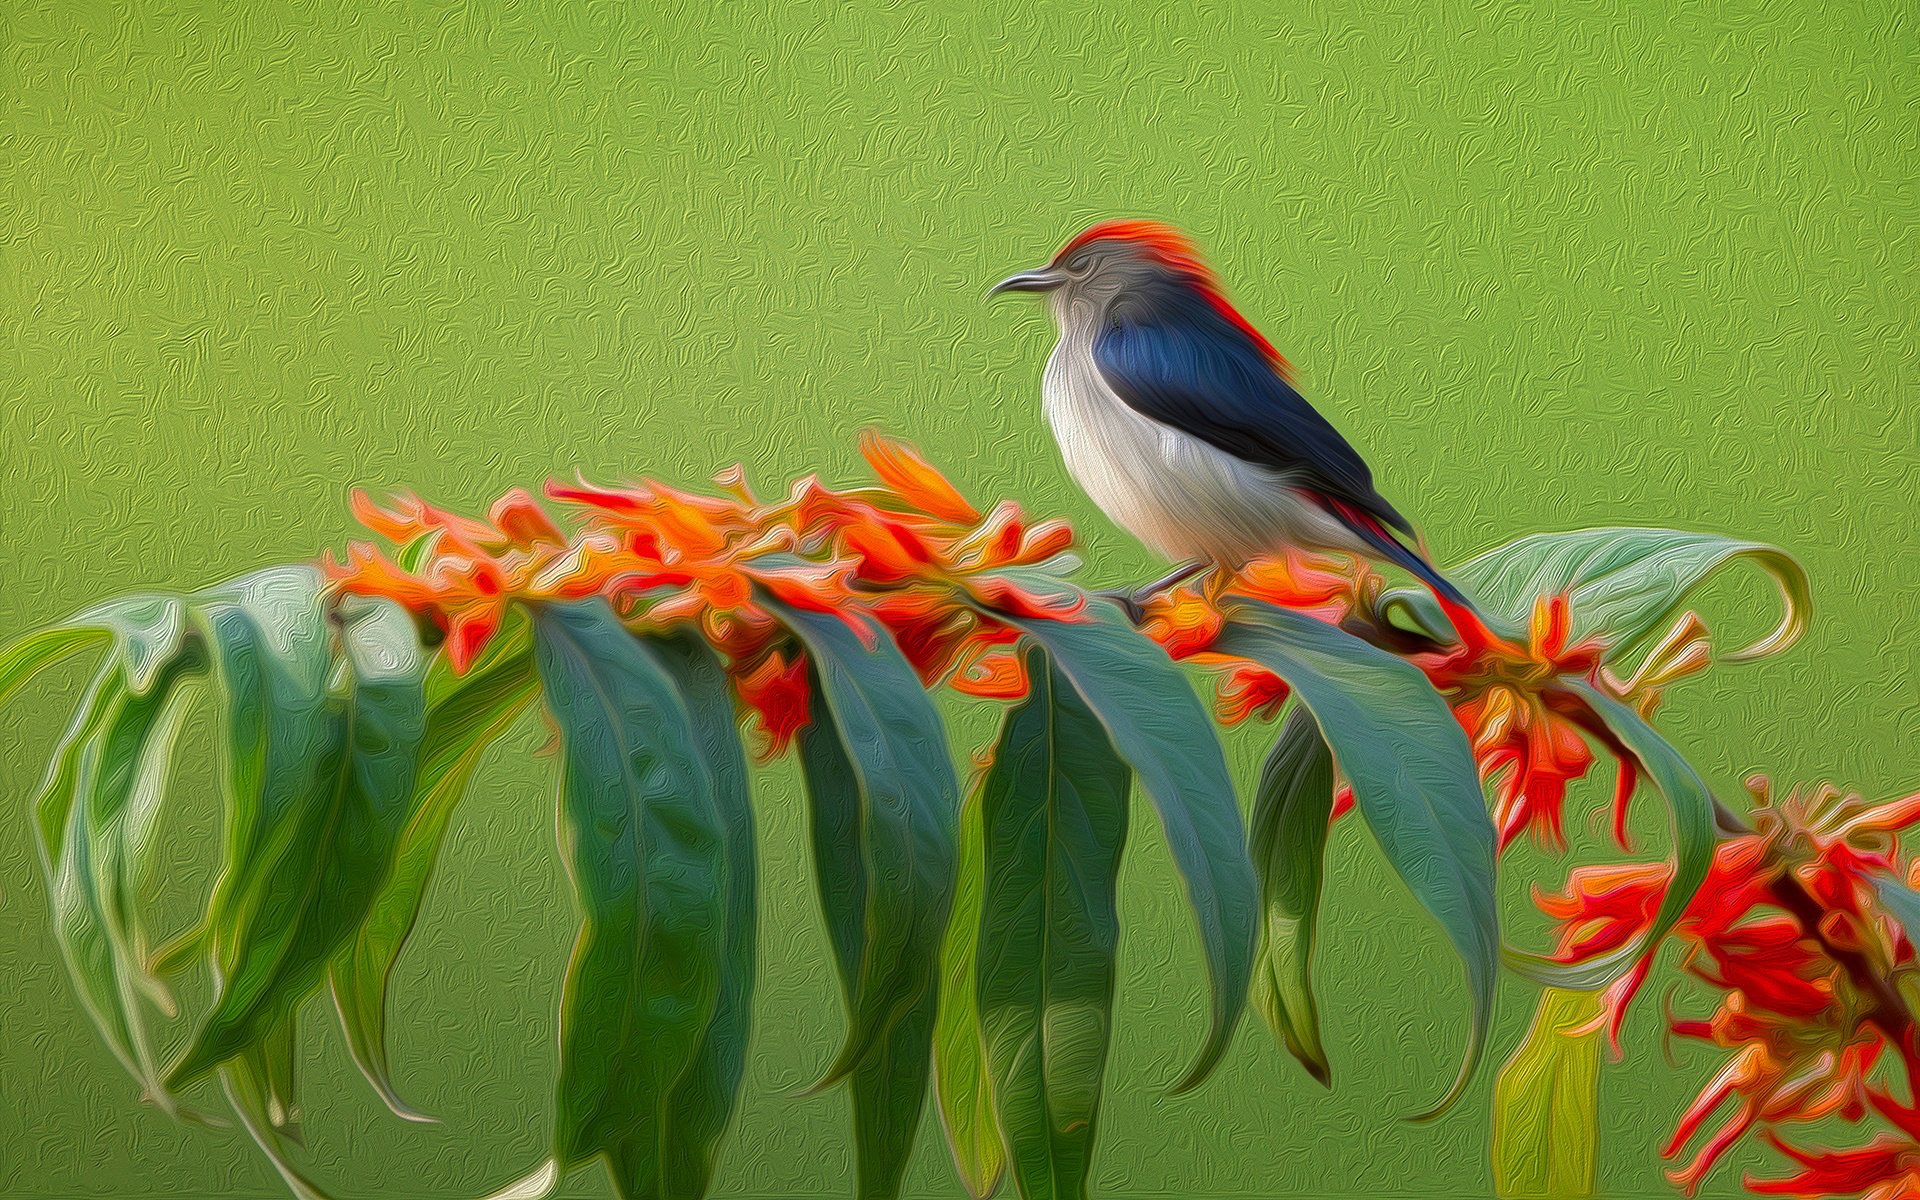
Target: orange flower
(914,480)
(1801,1032)
(1527,748)
(776,691)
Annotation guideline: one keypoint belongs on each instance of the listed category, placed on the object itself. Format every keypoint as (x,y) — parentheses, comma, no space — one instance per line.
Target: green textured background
(1599,265)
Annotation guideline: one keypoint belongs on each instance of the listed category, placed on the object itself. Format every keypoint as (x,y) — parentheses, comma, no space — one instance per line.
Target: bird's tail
(1466,618)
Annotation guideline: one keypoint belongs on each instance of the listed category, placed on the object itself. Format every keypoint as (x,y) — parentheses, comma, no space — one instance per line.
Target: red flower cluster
(1790,930)
(911,554)
(1187,621)
(1526,730)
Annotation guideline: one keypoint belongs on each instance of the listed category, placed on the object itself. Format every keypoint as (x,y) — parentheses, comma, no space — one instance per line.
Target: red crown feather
(1173,249)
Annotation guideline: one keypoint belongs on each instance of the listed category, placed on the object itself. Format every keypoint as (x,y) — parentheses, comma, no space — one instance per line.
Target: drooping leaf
(959,1055)
(34,652)
(889,1077)
(1291,812)
(321,779)
(1054,815)
(1546,1127)
(702,1103)
(1623,584)
(249,1090)
(1413,779)
(276,1060)
(465,714)
(1690,813)
(883,799)
(1161,729)
(900,780)
(126,742)
(147,633)
(644,847)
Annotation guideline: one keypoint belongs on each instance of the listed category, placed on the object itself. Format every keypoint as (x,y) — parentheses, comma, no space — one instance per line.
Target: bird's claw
(1129,602)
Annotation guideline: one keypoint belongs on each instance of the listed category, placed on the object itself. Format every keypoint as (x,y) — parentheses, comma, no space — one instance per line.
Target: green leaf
(1690,811)
(885,800)
(1624,584)
(703,1101)
(889,1089)
(465,714)
(1055,819)
(1161,729)
(34,652)
(250,1090)
(1412,775)
(643,843)
(147,632)
(1291,812)
(959,1056)
(114,770)
(1546,1126)
(889,1075)
(321,780)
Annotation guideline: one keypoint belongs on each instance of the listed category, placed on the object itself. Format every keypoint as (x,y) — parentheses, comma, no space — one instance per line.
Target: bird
(1184,425)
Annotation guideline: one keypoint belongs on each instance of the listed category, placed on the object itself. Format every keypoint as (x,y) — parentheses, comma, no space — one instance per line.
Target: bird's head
(1116,259)
(1112,257)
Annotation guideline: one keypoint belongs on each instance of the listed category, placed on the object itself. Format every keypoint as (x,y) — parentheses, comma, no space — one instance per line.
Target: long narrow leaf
(1055,819)
(1160,728)
(703,1101)
(89,874)
(321,788)
(907,799)
(148,632)
(643,843)
(35,652)
(959,1056)
(465,715)
(1291,811)
(250,1092)
(1546,1124)
(1413,779)
(1623,584)
(883,798)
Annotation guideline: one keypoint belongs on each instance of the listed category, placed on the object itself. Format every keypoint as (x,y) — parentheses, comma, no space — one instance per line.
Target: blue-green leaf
(644,846)
(1055,820)
(885,809)
(1623,584)
(321,777)
(114,770)
(1161,729)
(465,714)
(702,1103)
(147,633)
(1291,812)
(1413,779)
(883,798)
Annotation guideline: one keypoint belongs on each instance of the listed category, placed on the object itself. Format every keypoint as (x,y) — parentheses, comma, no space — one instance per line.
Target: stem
(1888,1011)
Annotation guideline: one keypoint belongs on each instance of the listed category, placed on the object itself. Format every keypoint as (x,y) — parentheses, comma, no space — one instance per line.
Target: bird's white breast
(1178,494)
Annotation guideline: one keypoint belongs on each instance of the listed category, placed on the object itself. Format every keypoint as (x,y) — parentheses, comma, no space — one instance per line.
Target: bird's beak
(1041,280)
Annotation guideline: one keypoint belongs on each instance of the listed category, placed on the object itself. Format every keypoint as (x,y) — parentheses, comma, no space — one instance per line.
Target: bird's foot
(1129,602)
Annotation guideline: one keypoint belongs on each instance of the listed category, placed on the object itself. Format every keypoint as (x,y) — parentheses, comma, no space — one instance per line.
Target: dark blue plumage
(1171,353)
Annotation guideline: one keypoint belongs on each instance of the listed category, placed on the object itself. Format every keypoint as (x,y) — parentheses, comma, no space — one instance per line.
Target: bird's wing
(1175,357)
